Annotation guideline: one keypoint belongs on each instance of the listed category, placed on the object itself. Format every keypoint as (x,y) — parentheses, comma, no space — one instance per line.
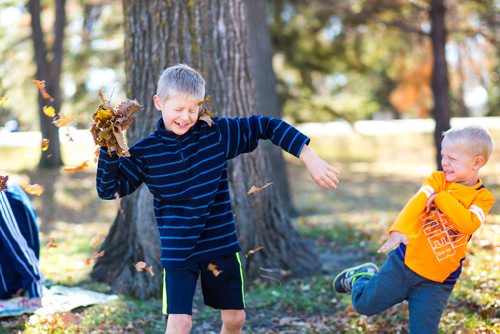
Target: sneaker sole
(352,268)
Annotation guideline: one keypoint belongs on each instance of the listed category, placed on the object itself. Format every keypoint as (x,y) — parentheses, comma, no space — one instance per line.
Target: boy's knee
(233,319)
(361,309)
(179,323)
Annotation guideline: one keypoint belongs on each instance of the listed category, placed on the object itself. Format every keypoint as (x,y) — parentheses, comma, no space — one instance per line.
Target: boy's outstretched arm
(325,175)
(395,238)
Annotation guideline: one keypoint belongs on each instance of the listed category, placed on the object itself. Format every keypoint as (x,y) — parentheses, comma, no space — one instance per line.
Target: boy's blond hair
(474,138)
(180,79)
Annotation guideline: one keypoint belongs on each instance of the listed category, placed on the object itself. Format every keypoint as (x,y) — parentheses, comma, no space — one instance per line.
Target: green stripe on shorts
(242,280)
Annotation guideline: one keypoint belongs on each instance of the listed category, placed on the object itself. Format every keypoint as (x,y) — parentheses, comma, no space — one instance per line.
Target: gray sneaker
(344,281)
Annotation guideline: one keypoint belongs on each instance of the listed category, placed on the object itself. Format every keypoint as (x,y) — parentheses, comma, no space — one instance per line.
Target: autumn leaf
(32,189)
(109,123)
(3,182)
(253,251)
(94,257)
(61,121)
(96,241)
(3,101)
(49,111)
(213,268)
(78,168)
(255,189)
(41,86)
(205,114)
(142,266)
(139,266)
(52,243)
(96,153)
(45,144)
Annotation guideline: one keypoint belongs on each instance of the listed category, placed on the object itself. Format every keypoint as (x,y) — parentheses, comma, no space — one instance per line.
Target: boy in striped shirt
(430,237)
(184,165)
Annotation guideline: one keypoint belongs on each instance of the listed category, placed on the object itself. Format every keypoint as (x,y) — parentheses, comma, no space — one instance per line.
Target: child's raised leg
(232,321)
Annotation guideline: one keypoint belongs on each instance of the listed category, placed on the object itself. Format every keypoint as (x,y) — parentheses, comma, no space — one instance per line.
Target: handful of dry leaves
(109,124)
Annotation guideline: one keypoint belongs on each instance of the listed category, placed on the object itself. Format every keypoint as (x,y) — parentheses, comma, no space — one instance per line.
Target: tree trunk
(440,84)
(49,69)
(211,36)
(266,97)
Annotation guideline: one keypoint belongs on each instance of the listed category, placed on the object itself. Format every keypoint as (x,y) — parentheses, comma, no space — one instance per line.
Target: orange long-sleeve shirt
(438,239)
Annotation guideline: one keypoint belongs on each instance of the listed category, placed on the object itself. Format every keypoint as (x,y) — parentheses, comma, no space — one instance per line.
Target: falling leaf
(61,121)
(139,266)
(96,153)
(45,144)
(149,270)
(253,251)
(3,182)
(49,111)
(41,86)
(68,135)
(207,119)
(78,168)
(96,241)
(3,101)
(109,124)
(142,266)
(255,189)
(205,114)
(94,257)
(52,243)
(32,189)
(213,268)
(271,277)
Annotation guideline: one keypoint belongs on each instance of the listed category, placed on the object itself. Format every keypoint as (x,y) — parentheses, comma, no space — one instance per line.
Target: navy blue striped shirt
(187,176)
(19,245)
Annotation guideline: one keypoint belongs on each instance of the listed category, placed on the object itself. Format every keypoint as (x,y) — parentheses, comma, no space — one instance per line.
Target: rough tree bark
(48,67)
(211,36)
(440,83)
(266,96)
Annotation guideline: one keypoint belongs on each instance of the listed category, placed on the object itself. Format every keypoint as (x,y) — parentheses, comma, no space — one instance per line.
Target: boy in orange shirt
(430,237)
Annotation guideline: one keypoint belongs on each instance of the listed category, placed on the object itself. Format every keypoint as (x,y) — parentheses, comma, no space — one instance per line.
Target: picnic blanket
(56,299)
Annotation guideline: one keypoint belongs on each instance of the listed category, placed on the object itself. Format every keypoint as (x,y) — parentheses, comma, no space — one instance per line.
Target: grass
(379,174)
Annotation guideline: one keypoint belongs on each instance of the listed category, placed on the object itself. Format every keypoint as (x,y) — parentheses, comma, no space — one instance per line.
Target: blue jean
(396,282)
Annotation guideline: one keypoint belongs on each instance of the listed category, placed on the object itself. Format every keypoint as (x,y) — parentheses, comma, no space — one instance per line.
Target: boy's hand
(429,203)
(395,238)
(320,171)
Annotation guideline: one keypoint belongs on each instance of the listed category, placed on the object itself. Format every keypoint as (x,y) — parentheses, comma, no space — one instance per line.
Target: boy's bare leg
(232,321)
(179,324)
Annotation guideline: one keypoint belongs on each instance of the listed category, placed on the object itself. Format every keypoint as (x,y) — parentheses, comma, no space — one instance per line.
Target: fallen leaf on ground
(255,189)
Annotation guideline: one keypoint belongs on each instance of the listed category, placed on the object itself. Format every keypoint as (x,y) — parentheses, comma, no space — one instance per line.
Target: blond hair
(180,79)
(474,138)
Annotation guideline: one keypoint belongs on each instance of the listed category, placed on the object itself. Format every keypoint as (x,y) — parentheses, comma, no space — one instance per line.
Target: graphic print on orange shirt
(441,234)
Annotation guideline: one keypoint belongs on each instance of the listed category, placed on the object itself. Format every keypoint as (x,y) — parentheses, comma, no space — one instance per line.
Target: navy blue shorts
(221,283)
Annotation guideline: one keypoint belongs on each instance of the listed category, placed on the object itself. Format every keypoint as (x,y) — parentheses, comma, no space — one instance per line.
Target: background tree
(213,37)
(48,67)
